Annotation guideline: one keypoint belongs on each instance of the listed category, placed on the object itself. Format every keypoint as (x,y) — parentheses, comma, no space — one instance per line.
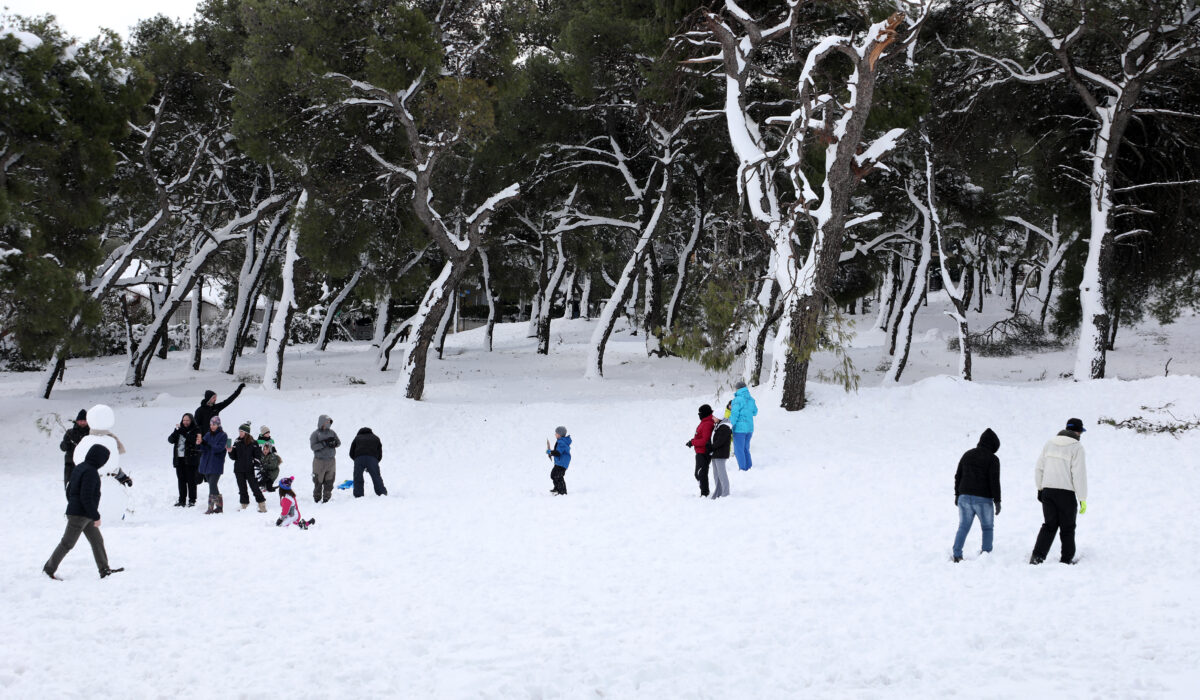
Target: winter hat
(1075,425)
(286,483)
(82,415)
(244,427)
(208,395)
(215,420)
(739,384)
(560,431)
(263,430)
(705,411)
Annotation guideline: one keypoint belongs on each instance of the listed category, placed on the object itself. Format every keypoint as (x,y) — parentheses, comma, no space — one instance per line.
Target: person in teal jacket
(741,418)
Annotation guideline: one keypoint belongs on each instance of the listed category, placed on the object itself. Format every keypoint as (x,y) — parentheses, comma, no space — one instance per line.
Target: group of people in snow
(716,437)
(1061,480)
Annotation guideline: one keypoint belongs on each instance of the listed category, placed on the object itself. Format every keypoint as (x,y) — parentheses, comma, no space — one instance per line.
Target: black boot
(179,503)
(104,573)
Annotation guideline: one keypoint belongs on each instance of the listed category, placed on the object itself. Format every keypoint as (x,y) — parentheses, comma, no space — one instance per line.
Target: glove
(997,507)
(956,499)
(1040,496)
(123,478)
(688,443)
(1082,507)
(278,522)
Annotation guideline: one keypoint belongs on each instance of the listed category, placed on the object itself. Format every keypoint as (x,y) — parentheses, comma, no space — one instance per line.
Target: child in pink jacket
(289,504)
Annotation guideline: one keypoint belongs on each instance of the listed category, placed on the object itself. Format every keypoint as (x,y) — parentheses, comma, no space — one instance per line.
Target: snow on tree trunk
(382,303)
(568,292)
(908,312)
(196,324)
(273,374)
(1090,354)
(254,266)
(547,295)
(759,326)
(491,301)
(681,267)
(958,310)
(585,298)
(335,306)
(887,294)
(444,324)
(432,307)
(652,322)
(264,328)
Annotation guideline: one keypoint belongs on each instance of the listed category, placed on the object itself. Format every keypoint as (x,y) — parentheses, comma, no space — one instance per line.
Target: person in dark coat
(245,454)
(83,513)
(977,490)
(214,445)
(209,406)
(699,445)
(722,438)
(70,441)
(367,452)
(185,454)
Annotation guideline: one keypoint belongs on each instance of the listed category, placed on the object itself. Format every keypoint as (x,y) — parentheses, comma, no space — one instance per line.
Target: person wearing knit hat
(1061,478)
(699,445)
(560,455)
(245,454)
(70,441)
(213,448)
(743,409)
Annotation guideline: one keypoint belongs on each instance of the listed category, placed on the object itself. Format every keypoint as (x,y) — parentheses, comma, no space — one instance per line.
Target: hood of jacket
(323,422)
(365,431)
(97,456)
(989,441)
(564,439)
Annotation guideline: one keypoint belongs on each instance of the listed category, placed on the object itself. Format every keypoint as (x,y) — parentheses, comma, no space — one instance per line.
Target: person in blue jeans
(742,411)
(977,490)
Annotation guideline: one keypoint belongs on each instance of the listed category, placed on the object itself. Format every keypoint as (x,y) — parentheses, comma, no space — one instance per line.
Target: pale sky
(83,18)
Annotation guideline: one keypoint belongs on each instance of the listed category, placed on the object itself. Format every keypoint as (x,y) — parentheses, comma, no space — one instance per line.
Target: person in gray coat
(324,443)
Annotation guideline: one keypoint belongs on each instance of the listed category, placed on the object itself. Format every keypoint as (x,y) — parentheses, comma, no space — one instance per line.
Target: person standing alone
(83,513)
(741,419)
(324,443)
(1061,477)
(976,490)
(367,452)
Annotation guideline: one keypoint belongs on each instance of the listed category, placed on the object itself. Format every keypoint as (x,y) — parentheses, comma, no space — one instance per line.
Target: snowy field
(825,574)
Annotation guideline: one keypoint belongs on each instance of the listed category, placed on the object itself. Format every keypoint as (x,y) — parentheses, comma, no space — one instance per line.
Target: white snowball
(101,417)
(114,457)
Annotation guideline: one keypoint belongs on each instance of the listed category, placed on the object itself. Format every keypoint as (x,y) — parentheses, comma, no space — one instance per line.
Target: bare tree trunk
(547,297)
(652,321)
(335,306)
(281,326)
(383,303)
(196,324)
(487,292)
(264,329)
(585,298)
(909,311)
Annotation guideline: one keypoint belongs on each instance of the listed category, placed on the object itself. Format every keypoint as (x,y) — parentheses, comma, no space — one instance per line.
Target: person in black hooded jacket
(185,455)
(977,490)
(209,406)
(367,451)
(83,513)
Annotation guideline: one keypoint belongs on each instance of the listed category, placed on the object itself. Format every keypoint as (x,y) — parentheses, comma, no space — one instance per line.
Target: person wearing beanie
(78,430)
(83,513)
(560,454)
(367,452)
(245,454)
(1061,479)
(209,407)
(185,455)
(214,445)
(719,444)
(289,504)
(324,443)
(977,490)
(743,409)
(699,445)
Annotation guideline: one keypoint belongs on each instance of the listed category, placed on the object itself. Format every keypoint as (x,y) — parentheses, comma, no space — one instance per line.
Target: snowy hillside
(825,574)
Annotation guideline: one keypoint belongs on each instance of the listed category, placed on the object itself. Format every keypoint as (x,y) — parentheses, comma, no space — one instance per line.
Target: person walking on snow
(1061,478)
(976,490)
(367,452)
(213,447)
(209,406)
(561,455)
(722,437)
(324,443)
(289,502)
(83,513)
(741,419)
(185,454)
(70,440)
(245,453)
(699,445)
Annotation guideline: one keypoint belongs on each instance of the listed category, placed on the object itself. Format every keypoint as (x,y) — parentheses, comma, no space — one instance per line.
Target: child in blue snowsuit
(562,459)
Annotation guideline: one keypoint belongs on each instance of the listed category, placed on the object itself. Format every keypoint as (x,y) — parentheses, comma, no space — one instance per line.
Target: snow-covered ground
(826,574)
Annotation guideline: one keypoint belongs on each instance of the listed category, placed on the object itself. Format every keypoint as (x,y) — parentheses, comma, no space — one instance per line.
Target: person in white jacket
(1061,477)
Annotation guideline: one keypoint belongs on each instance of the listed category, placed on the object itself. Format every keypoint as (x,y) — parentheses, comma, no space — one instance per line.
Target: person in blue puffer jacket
(561,454)
(741,419)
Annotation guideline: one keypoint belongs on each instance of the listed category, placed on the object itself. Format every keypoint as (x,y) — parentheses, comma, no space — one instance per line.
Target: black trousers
(702,462)
(212,480)
(245,479)
(559,476)
(370,466)
(186,475)
(1059,509)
